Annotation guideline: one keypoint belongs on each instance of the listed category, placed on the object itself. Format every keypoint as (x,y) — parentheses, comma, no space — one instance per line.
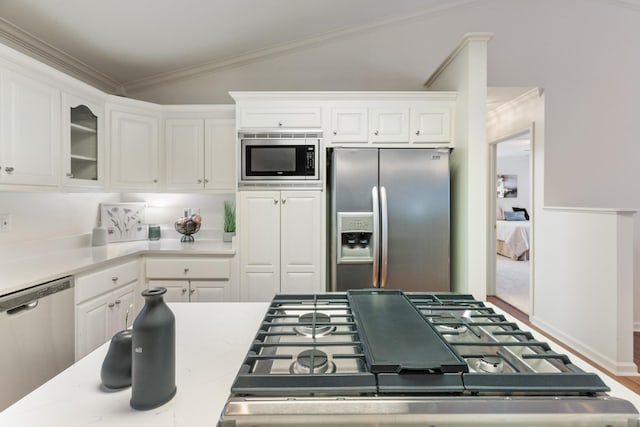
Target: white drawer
(100,282)
(186,268)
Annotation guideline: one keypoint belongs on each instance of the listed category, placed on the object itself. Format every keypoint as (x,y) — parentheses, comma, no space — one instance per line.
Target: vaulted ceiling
(124,42)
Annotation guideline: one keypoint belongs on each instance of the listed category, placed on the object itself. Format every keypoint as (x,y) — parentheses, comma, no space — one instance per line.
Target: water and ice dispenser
(355,237)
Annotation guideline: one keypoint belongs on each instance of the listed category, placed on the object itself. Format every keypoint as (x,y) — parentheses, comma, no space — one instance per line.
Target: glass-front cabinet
(83,127)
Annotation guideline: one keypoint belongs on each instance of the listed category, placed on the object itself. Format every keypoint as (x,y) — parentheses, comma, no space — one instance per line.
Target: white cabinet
(103,299)
(277,116)
(413,121)
(349,124)
(431,122)
(82,143)
(135,150)
(389,124)
(29,130)
(280,243)
(192,279)
(200,154)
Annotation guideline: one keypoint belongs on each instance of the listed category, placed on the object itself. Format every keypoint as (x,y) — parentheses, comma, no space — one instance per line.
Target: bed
(512,239)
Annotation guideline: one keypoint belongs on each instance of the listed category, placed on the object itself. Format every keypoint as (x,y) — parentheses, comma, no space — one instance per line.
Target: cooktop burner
(388,342)
(374,357)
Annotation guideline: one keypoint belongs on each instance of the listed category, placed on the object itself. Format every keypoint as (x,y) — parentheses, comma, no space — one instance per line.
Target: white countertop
(212,340)
(45,265)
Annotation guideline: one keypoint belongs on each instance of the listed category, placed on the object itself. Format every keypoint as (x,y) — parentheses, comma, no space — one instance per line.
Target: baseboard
(613,366)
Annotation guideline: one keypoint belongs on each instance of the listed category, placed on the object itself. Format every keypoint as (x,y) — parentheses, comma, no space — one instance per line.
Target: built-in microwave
(279,157)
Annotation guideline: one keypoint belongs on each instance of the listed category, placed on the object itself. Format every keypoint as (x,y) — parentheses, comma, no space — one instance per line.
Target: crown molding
(24,42)
(274,51)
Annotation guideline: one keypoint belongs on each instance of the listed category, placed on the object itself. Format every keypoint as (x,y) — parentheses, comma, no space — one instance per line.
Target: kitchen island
(212,341)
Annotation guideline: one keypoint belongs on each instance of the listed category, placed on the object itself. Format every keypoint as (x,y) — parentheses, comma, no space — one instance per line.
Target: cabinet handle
(417,132)
(111,305)
(376,133)
(114,279)
(69,175)
(275,202)
(186,270)
(184,290)
(284,201)
(192,291)
(199,181)
(8,169)
(279,123)
(335,132)
(155,181)
(206,181)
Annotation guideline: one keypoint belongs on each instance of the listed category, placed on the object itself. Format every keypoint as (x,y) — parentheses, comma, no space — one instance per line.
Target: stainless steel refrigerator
(389,211)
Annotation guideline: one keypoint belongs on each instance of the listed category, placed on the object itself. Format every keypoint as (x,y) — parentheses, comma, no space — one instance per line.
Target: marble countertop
(212,340)
(45,262)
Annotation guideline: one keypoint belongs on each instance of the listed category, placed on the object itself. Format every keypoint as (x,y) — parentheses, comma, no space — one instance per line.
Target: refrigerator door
(354,175)
(416,182)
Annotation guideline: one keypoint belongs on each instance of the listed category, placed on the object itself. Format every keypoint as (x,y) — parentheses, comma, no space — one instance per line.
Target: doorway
(513,177)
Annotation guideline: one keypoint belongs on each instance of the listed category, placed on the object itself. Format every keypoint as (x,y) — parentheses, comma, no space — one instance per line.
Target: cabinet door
(210,291)
(124,300)
(301,241)
(93,323)
(220,154)
(184,148)
(280,117)
(82,142)
(389,124)
(30,131)
(431,123)
(349,125)
(259,227)
(134,151)
(177,290)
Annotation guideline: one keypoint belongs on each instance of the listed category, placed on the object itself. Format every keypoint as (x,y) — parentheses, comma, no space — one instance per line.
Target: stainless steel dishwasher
(36,337)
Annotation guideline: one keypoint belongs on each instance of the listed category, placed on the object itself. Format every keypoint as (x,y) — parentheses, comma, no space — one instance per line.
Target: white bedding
(513,239)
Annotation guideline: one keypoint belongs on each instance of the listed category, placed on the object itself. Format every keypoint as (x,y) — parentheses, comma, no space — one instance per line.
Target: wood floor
(632,383)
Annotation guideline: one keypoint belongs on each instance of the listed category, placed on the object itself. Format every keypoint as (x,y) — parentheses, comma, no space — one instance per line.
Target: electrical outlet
(5,222)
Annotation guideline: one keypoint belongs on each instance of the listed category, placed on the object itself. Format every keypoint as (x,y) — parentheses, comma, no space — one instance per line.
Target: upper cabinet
(134,148)
(83,143)
(419,119)
(30,130)
(276,116)
(201,152)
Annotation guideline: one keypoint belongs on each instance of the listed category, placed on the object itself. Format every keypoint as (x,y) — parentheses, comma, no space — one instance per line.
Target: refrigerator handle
(376,236)
(384,213)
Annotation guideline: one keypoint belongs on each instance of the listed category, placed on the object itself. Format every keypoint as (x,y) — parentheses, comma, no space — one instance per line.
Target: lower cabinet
(192,279)
(105,302)
(280,243)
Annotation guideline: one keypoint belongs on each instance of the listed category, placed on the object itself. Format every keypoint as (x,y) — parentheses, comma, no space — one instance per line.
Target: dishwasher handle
(27,299)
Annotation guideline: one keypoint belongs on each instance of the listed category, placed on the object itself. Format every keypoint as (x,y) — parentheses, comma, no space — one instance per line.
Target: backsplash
(41,216)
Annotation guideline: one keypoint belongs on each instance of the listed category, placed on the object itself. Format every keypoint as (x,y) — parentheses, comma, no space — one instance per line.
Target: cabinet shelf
(83,158)
(80,128)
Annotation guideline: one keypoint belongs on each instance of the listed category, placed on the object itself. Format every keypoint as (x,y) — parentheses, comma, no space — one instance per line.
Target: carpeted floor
(512,282)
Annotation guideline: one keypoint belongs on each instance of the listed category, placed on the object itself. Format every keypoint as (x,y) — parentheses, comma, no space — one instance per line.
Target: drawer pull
(186,270)
(192,291)
(111,305)
(114,279)
(184,290)
(118,302)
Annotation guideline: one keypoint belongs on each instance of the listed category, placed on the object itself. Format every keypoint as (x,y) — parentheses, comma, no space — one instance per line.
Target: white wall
(519,166)
(47,216)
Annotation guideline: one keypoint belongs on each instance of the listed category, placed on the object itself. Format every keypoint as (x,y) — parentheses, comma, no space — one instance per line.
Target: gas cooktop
(401,350)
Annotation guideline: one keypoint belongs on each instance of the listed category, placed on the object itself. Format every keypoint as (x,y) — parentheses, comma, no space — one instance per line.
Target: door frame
(492,205)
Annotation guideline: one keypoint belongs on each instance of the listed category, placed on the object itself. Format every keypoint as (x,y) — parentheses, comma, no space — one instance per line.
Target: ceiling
(129,41)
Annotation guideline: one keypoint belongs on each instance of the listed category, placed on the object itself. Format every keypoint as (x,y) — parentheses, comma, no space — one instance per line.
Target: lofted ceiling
(127,42)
